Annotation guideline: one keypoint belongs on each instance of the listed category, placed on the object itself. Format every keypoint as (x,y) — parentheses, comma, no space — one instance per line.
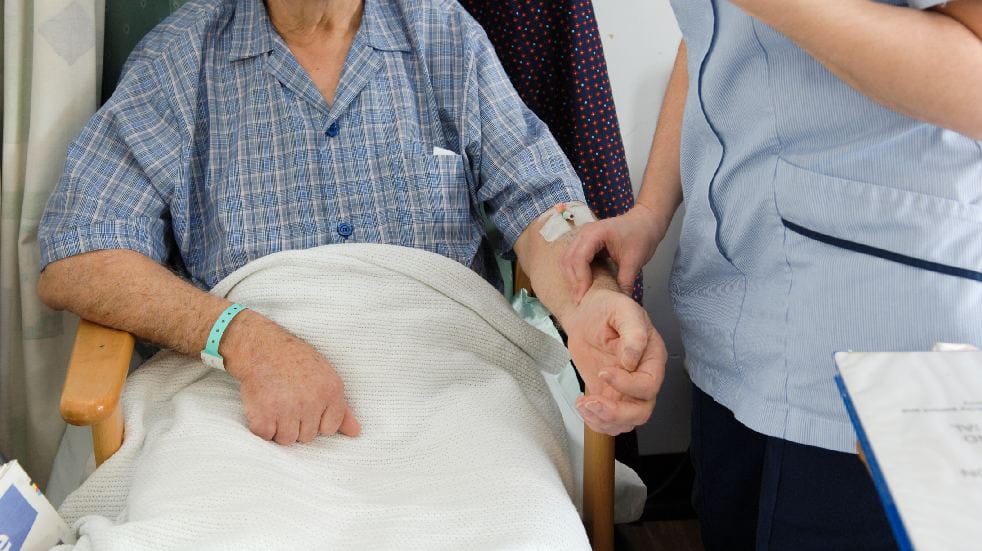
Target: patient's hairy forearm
(289,391)
(541,261)
(129,291)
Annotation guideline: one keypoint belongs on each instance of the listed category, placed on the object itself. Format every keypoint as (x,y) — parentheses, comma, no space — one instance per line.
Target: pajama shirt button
(333,130)
(345,229)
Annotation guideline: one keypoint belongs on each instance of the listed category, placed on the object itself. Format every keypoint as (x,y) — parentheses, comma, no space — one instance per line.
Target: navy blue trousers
(757,492)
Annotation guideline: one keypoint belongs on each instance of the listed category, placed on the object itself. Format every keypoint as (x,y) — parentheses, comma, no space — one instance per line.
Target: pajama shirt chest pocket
(438,198)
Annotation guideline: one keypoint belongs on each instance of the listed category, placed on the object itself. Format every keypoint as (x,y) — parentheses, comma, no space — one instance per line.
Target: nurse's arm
(925,64)
(661,186)
(631,239)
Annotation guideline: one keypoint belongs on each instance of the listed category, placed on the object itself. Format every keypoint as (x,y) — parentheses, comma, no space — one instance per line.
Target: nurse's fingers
(576,259)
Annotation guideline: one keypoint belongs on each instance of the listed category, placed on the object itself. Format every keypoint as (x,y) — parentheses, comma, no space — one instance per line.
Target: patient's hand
(621,358)
(289,390)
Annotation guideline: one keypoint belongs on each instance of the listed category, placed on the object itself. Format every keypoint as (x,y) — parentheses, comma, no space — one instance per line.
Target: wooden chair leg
(598,471)
(598,489)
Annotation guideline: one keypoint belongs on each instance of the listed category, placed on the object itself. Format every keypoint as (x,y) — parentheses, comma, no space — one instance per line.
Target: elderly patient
(242,129)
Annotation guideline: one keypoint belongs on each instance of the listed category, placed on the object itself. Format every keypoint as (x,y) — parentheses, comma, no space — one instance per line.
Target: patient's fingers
(349,425)
(601,426)
(638,384)
(331,419)
(625,414)
(592,421)
(287,430)
(262,426)
(309,425)
(594,385)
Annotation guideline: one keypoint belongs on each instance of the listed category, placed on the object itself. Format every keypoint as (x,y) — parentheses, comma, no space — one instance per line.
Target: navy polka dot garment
(552,52)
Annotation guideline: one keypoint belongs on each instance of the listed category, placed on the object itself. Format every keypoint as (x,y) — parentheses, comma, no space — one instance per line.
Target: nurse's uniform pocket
(917,229)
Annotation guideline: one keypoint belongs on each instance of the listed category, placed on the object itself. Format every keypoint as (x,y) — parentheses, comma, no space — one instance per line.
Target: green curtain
(52,56)
(126,23)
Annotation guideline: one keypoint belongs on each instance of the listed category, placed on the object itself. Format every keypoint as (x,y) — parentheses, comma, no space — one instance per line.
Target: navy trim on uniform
(884,254)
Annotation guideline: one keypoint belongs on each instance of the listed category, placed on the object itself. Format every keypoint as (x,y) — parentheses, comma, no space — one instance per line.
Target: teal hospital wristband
(210,355)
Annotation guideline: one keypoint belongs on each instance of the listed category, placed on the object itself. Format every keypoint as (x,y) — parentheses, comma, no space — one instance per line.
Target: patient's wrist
(603,275)
(563,312)
(602,283)
(243,334)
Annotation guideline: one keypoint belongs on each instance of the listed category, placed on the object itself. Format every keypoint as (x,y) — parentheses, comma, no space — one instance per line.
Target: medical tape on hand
(561,219)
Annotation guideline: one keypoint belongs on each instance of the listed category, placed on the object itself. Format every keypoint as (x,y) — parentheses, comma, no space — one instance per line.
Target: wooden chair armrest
(96,373)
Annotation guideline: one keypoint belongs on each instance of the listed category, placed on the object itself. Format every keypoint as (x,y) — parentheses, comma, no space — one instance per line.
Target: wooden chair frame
(101,359)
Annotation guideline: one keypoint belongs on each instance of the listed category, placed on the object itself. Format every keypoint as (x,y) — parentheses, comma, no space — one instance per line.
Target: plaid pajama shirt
(217,149)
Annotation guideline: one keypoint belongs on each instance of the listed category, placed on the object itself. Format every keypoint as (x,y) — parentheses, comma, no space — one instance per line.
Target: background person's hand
(630,240)
(289,391)
(621,358)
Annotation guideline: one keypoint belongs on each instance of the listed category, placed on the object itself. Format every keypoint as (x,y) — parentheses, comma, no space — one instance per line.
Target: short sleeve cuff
(145,236)
(515,217)
(925,4)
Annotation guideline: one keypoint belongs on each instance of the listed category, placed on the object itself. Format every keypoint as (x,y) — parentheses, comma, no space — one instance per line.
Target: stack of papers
(27,521)
(918,418)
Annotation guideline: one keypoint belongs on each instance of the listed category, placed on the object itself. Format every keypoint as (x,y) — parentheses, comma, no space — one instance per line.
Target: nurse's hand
(630,240)
(619,355)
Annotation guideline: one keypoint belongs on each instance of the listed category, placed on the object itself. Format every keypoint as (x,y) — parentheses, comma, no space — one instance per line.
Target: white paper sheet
(921,426)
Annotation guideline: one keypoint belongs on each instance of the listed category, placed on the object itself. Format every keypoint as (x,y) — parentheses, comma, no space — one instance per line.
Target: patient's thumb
(349,425)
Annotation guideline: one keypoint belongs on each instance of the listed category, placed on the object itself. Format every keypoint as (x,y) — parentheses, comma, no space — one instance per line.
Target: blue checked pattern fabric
(217,149)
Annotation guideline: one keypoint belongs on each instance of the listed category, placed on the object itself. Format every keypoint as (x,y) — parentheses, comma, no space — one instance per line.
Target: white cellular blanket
(462,445)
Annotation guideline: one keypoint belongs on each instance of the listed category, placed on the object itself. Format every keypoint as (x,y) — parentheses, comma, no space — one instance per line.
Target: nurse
(829,158)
